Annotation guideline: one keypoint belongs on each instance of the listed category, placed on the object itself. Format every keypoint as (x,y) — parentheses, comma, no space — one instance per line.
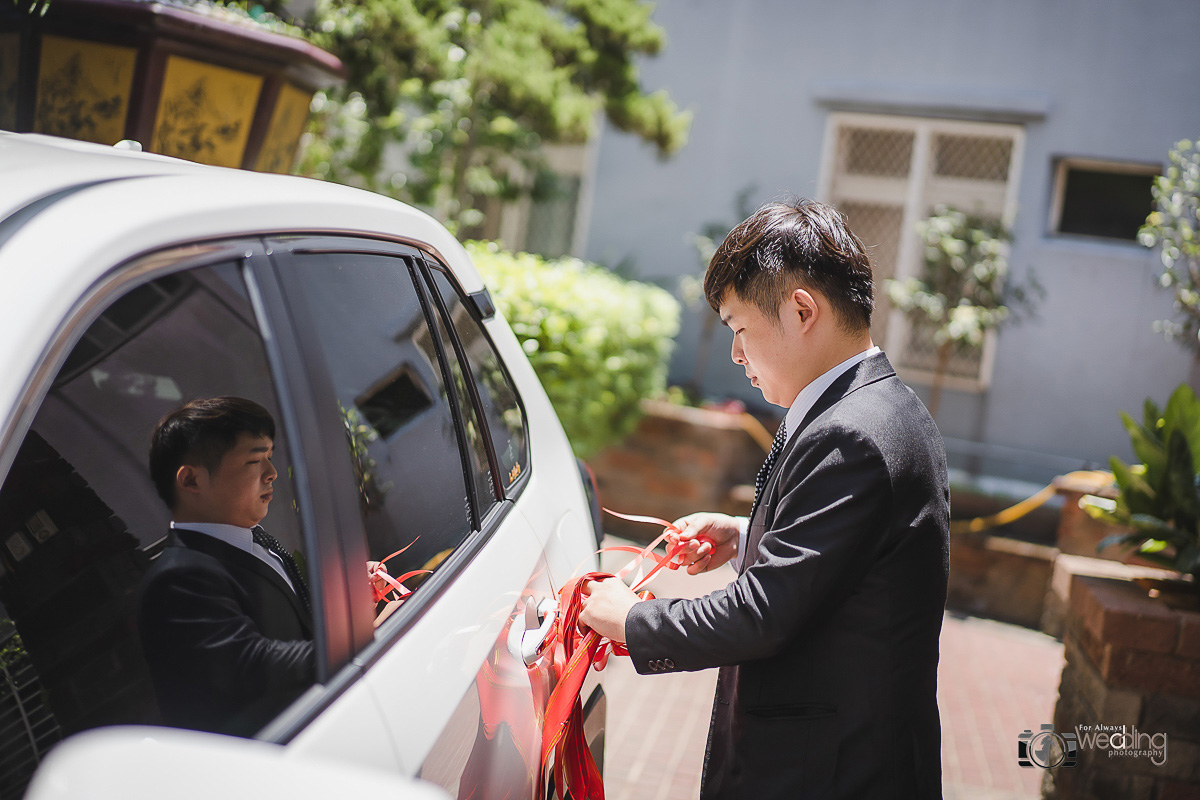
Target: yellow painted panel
(205,112)
(83,89)
(10,61)
(278,151)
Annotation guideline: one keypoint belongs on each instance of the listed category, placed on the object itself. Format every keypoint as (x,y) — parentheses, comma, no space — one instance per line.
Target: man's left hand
(606,603)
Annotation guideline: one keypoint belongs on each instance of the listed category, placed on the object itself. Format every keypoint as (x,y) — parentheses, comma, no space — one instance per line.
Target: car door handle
(533,640)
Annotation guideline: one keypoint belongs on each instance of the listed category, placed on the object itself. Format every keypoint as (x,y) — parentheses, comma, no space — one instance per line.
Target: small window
(1106,200)
(395,405)
(501,406)
(551,228)
(83,528)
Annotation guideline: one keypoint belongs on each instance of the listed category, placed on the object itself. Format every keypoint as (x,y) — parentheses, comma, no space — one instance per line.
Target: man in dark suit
(223,614)
(828,638)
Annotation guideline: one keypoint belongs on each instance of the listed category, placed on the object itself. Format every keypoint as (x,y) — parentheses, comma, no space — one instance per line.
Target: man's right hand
(712,540)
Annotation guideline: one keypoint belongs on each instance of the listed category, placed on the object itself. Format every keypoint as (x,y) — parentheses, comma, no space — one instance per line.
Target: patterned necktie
(764,472)
(266,540)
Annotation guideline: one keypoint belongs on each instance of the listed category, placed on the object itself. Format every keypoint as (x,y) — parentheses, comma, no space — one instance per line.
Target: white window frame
(911,193)
(1064,163)
(576,160)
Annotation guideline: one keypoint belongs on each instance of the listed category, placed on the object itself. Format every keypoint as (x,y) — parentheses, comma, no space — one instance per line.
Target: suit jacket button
(669,664)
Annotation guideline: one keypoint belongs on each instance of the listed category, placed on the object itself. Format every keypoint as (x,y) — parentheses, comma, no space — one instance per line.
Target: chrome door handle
(533,640)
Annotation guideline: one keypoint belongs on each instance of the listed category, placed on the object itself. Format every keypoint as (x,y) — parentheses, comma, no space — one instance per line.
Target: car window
(466,397)
(81,525)
(501,405)
(395,406)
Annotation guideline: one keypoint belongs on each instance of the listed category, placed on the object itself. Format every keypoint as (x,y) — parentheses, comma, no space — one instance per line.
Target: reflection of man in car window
(224,613)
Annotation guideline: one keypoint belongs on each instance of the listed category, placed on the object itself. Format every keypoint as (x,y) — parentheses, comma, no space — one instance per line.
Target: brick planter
(1130,661)
(679,460)
(999,577)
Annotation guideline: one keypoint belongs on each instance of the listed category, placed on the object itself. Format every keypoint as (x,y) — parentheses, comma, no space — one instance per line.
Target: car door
(81,524)
(419,476)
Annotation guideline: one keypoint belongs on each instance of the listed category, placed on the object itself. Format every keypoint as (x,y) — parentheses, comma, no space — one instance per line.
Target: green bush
(598,343)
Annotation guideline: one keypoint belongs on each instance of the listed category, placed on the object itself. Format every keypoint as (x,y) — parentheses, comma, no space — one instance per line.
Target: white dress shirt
(241,538)
(800,407)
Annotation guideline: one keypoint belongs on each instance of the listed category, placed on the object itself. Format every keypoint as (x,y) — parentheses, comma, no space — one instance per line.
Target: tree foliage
(1173,226)
(598,343)
(960,295)
(964,290)
(471,89)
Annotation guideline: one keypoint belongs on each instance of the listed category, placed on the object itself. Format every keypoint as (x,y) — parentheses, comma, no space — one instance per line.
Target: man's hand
(380,584)
(722,532)
(606,603)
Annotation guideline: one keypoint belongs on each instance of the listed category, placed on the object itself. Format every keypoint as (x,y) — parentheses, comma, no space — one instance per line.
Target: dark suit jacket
(828,639)
(228,643)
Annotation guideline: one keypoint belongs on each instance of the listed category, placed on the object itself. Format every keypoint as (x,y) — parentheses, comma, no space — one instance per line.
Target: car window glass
(478,463)
(81,525)
(394,405)
(501,407)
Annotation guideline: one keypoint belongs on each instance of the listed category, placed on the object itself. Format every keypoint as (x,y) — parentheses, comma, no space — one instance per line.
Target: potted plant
(1159,499)
(1133,646)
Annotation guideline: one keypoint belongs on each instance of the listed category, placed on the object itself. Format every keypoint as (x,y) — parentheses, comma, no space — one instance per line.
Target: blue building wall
(1106,80)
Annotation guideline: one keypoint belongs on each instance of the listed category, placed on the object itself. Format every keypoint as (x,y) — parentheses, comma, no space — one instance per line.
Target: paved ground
(995,680)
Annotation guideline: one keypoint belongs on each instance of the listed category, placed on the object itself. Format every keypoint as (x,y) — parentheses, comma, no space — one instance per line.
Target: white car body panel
(439,650)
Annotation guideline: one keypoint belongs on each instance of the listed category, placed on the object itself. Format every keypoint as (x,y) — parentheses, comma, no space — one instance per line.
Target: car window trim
(489,444)
(85,310)
(289,375)
(460,425)
(437,584)
(293,720)
(513,491)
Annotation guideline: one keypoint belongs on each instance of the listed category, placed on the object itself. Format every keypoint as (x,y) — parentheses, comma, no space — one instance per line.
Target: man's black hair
(200,434)
(784,245)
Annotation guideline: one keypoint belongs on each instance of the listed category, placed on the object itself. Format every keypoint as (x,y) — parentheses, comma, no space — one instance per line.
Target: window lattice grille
(920,352)
(876,151)
(879,228)
(966,165)
(983,158)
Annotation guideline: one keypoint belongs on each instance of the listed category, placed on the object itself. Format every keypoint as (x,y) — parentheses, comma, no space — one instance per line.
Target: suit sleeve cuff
(645,653)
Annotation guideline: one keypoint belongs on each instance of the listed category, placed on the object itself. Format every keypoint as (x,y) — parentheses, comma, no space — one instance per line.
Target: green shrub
(1159,498)
(598,343)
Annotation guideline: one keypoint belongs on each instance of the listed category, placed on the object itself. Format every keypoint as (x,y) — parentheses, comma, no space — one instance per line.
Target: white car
(406,414)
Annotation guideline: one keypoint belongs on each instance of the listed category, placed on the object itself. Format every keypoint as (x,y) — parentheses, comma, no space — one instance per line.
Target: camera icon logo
(1047,749)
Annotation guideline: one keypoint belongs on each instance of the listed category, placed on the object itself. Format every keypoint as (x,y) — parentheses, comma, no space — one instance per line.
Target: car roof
(71,211)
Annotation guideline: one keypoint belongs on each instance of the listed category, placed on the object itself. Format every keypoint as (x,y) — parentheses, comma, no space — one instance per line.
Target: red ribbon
(379,572)
(574,652)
